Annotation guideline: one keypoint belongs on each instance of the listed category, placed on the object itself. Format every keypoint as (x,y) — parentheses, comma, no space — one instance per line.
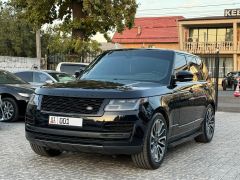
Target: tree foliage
(61,42)
(84,17)
(16,36)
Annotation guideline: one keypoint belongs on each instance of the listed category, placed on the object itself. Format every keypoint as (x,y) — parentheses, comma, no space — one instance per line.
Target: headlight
(24,94)
(34,100)
(123,104)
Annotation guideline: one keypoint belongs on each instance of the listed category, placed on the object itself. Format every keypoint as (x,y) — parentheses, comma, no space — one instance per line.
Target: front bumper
(111,133)
(99,142)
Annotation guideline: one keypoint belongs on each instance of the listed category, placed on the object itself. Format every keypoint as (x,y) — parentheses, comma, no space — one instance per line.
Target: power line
(184,11)
(181,13)
(187,7)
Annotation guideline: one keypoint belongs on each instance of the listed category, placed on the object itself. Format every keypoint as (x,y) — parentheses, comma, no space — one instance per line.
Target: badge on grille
(89,108)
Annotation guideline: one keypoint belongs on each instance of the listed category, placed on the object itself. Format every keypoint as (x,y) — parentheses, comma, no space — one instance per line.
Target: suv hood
(104,89)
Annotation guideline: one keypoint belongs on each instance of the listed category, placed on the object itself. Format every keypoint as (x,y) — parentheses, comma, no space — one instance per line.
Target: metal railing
(206,47)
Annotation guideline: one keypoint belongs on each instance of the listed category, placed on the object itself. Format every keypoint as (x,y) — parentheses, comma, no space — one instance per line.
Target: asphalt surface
(227,102)
(218,160)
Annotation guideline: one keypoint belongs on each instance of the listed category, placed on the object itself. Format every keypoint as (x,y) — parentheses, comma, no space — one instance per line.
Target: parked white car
(71,67)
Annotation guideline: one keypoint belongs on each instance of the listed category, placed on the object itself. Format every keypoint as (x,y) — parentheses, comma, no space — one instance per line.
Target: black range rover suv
(128,101)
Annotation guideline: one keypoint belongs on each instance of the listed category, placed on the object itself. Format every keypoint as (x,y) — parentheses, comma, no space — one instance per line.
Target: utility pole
(38,44)
(216,74)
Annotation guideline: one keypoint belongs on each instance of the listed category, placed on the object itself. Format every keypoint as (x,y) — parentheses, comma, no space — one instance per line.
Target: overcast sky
(186,8)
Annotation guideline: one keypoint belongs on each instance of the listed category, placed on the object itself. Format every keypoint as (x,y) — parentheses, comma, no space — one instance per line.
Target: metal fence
(54,60)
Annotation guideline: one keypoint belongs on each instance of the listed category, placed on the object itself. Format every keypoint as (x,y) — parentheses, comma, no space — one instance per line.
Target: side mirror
(184,76)
(77,74)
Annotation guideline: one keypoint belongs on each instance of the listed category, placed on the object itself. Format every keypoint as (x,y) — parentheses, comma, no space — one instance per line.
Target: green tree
(16,36)
(83,17)
(62,45)
(61,42)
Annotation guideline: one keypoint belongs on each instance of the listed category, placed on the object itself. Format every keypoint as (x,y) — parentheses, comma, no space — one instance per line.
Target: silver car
(40,77)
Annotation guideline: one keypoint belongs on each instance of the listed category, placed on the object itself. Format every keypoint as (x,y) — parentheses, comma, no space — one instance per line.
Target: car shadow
(90,161)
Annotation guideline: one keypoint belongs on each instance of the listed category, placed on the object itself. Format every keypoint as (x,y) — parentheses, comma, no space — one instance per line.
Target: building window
(210,35)
(151,46)
(203,35)
(193,35)
(229,34)
(225,65)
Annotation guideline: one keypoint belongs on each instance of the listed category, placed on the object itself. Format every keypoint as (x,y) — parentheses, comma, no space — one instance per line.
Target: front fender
(11,93)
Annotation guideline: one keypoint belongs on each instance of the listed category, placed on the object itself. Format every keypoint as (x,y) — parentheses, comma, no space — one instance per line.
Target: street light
(216,74)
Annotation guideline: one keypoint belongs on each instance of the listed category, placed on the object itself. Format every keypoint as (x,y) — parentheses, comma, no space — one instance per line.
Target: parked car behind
(38,78)
(230,81)
(71,68)
(129,101)
(15,94)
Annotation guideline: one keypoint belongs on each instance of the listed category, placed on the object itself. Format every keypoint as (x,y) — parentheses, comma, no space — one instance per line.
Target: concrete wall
(18,63)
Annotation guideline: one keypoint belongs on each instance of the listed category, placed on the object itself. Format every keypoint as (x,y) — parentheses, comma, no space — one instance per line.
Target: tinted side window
(72,68)
(190,60)
(195,68)
(26,76)
(40,77)
(198,61)
(205,73)
(180,62)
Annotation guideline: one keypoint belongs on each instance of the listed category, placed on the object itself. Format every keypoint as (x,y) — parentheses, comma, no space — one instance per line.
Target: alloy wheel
(158,140)
(7,111)
(210,122)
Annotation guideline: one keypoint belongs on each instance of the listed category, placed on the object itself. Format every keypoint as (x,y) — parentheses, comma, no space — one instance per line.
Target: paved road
(219,159)
(227,102)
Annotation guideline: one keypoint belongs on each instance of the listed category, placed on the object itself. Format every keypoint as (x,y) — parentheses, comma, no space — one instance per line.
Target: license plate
(65,121)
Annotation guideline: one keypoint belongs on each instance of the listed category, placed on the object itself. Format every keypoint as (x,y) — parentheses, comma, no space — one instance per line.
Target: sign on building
(232,12)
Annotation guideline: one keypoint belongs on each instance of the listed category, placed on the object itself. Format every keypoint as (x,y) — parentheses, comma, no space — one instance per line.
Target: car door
(199,88)
(183,91)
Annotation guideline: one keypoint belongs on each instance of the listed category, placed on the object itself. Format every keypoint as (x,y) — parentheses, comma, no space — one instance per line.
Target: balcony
(206,47)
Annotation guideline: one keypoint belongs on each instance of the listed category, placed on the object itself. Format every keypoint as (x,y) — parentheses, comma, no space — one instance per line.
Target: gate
(54,60)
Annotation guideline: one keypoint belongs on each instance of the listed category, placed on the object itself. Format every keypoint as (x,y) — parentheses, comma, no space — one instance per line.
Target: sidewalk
(227,102)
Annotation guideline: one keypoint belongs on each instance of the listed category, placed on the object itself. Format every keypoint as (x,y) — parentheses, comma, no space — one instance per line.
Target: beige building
(203,36)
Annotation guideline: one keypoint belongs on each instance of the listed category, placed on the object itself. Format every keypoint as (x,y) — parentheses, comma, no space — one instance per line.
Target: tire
(43,151)
(224,86)
(10,109)
(235,86)
(146,159)
(208,126)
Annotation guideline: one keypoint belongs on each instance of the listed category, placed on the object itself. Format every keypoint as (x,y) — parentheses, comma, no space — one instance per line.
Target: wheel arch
(5,95)
(21,104)
(213,105)
(163,111)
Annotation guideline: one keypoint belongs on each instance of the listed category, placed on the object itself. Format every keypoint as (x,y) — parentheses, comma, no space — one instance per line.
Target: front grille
(73,105)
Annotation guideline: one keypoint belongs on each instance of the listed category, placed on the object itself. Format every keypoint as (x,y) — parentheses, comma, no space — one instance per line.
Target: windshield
(62,77)
(72,68)
(133,65)
(9,78)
